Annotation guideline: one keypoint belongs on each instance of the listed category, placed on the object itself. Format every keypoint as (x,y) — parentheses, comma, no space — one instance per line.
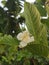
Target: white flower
(25,38)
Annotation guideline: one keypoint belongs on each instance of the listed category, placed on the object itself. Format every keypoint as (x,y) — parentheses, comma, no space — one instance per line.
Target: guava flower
(25,38)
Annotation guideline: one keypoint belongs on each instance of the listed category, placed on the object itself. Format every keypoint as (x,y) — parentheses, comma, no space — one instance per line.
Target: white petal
(26,40)
(22,44)
(31,39)
(26,32)
(23,34)
(19,36)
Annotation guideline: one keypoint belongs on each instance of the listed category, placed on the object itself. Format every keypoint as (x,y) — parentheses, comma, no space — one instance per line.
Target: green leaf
(8,40)
(8,46)
(33,22)
(37,50)
(37,29)
(32,17)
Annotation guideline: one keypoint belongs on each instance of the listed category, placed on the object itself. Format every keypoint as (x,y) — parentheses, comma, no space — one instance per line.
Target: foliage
(8,17)
(8,47)
(37,29)
(35,53)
